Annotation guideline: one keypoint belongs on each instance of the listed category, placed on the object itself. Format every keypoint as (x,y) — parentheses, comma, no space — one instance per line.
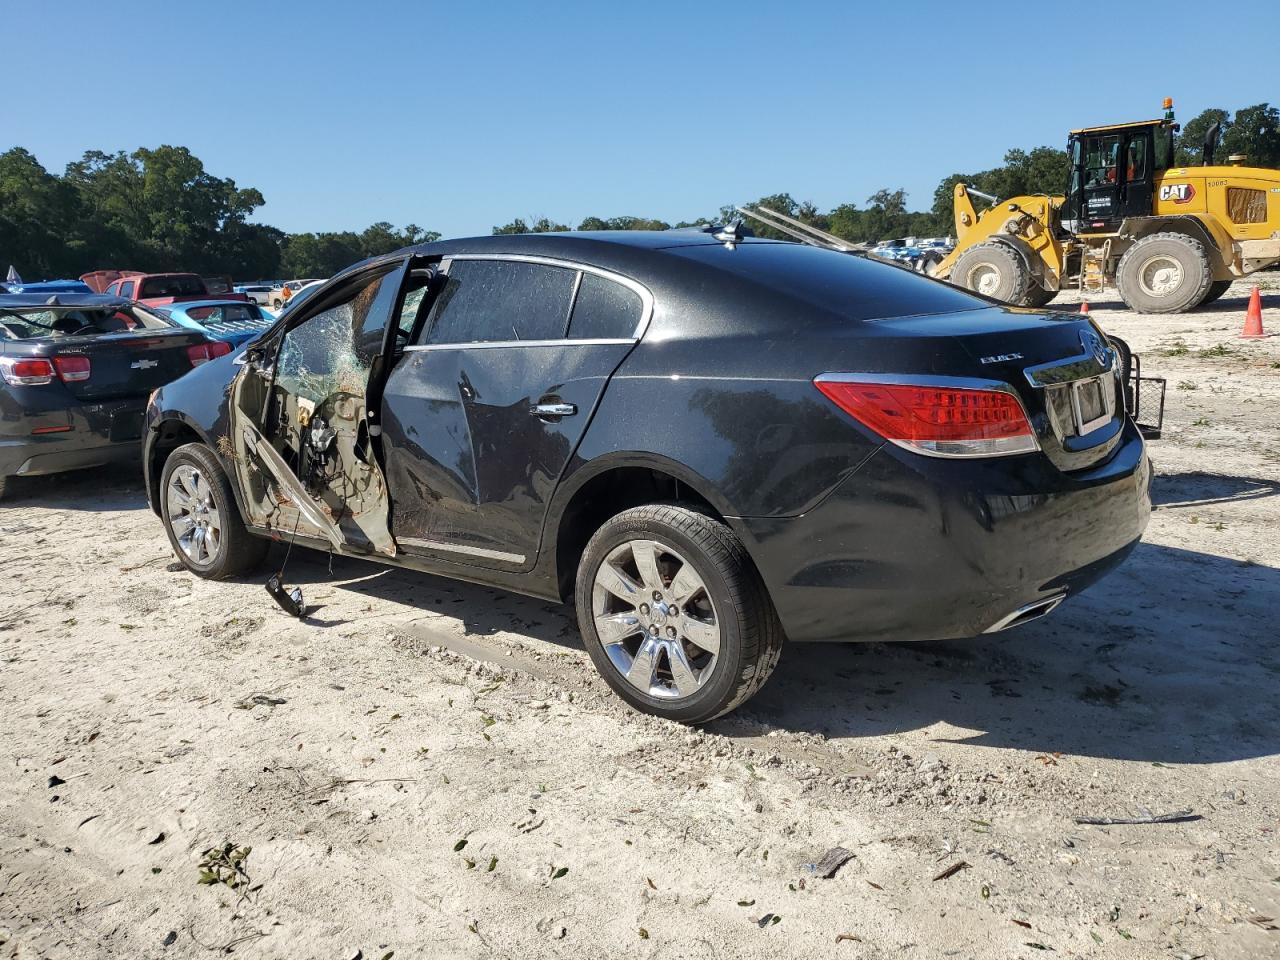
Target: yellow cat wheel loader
(1168,238)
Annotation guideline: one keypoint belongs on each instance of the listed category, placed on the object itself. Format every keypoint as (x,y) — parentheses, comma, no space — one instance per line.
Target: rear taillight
(26,373)
(933,417)
(204,352)
(72,368)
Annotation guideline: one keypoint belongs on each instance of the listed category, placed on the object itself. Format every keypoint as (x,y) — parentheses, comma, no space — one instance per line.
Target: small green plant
(1200,422)
(1218,350)
(225,865)
(1187,385)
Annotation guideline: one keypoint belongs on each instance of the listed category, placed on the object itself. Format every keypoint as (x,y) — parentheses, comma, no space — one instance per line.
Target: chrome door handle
(553,410)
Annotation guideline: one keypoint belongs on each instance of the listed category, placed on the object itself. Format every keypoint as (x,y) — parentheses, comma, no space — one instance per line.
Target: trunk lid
(1060,365)
(129,363)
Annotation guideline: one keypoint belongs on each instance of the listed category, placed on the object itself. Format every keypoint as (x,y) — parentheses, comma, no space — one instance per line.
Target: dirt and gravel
(430,769)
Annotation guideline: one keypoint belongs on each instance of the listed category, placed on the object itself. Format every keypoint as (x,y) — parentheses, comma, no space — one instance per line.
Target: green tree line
(159,209)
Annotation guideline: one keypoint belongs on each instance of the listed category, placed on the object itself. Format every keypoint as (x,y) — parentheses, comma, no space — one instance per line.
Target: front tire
(201,517)
(994,270)
(1164,273)
(1216,290)
(674,615)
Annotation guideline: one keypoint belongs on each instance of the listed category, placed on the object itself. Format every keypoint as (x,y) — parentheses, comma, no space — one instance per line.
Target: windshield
(178,285)
(42,323)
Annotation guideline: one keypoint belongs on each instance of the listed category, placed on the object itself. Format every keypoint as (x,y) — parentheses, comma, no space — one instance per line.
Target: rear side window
(126,289)
(852,287)
(487,301)
(176,286)
(604,310)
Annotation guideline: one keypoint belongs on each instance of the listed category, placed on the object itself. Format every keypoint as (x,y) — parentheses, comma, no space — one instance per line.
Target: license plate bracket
(125,425)
(1089,406)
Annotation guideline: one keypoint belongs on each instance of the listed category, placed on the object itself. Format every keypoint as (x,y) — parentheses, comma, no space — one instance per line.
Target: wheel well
(606,495)
(1139,228)
(173,434)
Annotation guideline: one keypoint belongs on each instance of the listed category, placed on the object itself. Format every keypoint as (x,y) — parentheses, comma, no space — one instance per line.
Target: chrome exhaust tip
(1027,613)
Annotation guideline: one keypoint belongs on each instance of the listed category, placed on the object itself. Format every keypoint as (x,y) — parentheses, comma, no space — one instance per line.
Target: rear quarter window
(849,286)
(604,310)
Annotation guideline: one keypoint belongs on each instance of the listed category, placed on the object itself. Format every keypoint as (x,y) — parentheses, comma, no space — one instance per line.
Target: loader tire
(1164,273)
(928,263)
(1216,290)
(1037,296)
(993,270)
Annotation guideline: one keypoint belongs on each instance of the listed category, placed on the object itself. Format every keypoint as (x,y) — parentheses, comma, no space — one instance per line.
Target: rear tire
(1164,273)
(1037,296)
(1216,290)
(195,499)
(993,270)
(1124,356)
(6,486)
(928,262)
(701,588)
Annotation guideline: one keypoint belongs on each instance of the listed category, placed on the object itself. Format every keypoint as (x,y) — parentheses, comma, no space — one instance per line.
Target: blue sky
(461,116)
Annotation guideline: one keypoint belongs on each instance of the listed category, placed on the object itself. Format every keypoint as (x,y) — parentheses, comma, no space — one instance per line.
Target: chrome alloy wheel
(1160,275)
(193,514)
(655,619)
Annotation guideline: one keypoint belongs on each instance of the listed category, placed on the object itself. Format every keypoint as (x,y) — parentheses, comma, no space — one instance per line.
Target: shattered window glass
(331,352)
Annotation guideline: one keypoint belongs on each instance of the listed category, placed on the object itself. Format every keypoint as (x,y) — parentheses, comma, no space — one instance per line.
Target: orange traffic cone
(1253,318)
(1084,306)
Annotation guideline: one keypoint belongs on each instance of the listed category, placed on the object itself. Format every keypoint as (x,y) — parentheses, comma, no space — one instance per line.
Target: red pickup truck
(155,289)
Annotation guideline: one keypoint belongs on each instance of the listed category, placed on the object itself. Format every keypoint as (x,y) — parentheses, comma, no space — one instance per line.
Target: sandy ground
(149,716)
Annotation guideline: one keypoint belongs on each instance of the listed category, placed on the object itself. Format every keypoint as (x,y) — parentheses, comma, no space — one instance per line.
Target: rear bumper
(100,433)
(916,548)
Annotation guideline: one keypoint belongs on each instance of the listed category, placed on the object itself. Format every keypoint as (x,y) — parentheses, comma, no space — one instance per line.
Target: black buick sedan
(708,443)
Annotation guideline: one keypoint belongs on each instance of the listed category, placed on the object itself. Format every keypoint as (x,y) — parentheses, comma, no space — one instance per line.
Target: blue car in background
(231,321)
(46,286)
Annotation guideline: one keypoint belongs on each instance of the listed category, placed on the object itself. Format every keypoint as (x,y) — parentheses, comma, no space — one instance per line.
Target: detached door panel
(300,424)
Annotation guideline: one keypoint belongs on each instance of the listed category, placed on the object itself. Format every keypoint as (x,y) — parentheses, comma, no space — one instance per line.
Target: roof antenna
(731,234)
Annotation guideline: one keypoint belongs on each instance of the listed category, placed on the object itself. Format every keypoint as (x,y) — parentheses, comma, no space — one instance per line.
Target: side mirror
(255,354)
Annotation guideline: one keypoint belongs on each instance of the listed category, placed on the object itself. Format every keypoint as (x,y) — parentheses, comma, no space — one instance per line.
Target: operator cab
(1113,169)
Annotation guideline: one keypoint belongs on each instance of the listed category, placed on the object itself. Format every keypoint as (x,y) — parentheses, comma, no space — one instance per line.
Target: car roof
(570,239)
(604,248)
(64,301)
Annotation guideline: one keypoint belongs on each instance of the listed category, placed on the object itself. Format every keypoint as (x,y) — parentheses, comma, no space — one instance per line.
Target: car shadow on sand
(484,611)
(116,486)
(1174,658)
(1197,489)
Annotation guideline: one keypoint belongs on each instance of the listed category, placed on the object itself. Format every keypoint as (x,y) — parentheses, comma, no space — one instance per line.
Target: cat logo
(1177,192)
